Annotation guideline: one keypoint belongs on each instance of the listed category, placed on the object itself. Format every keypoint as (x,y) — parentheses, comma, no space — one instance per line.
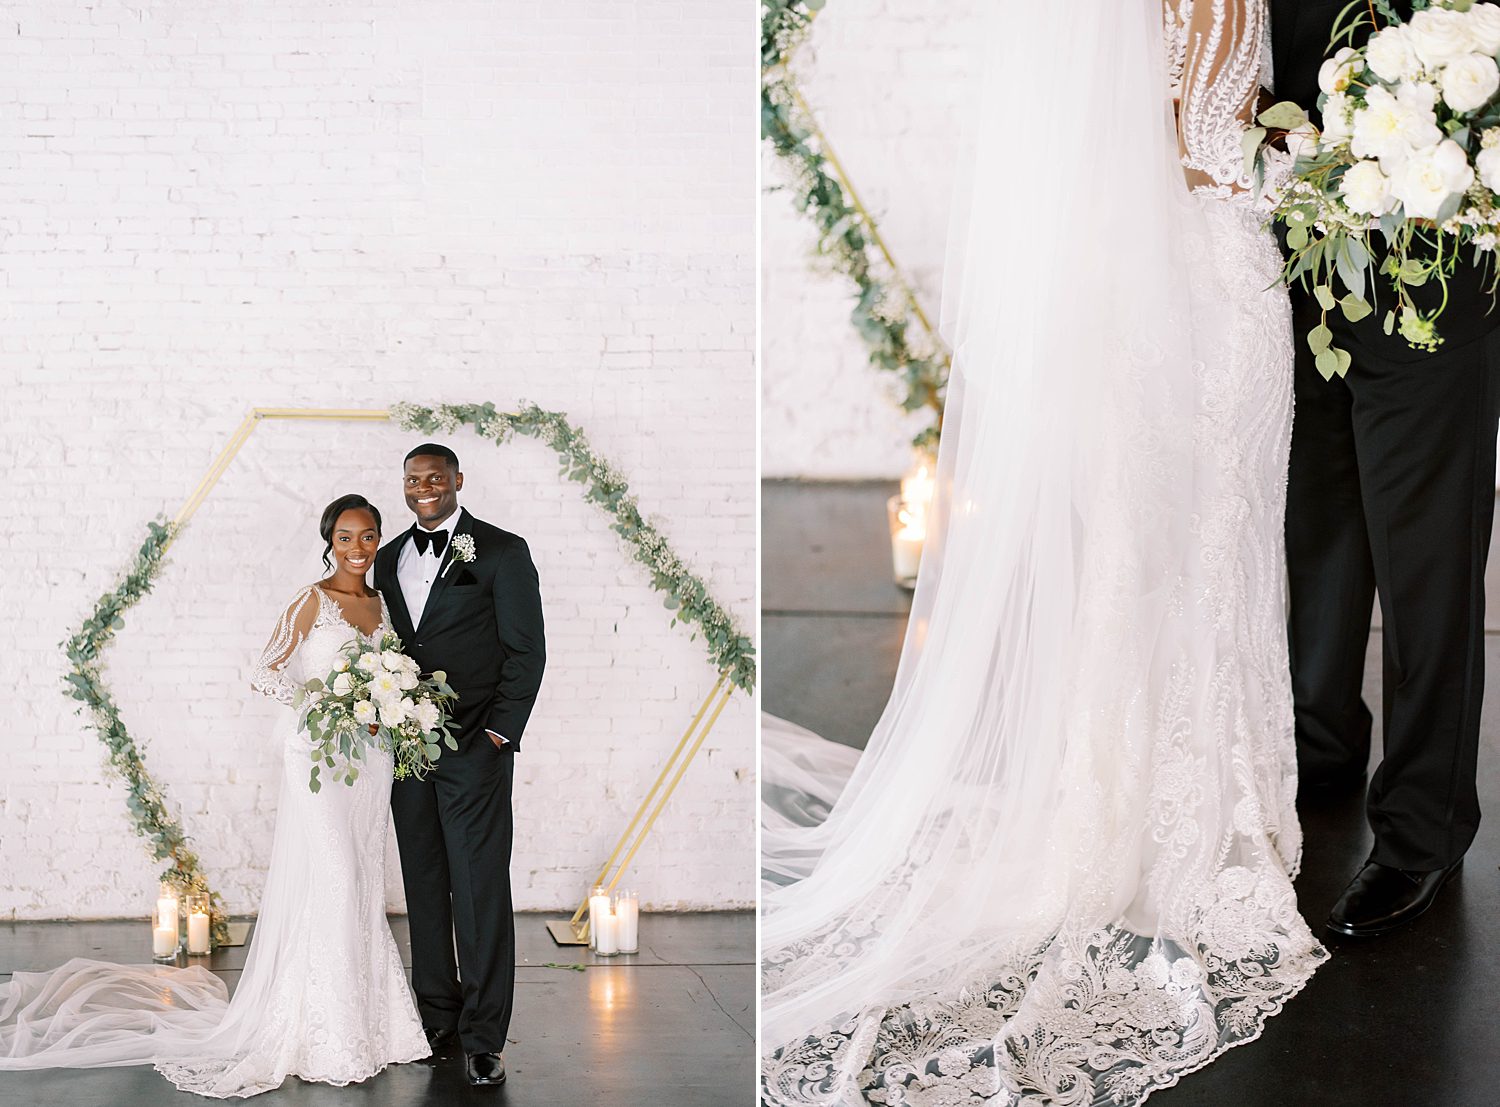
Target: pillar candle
(598,908)
(197,936)
(627,923)
(606,942)
(906,553)
(163,941)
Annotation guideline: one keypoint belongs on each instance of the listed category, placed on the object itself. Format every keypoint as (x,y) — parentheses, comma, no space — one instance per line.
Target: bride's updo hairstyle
(331,515)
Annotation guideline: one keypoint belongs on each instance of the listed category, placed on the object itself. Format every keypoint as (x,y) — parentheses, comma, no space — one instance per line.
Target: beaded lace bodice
(306,642)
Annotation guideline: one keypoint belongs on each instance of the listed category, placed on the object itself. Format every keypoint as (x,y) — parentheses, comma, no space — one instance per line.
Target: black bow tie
(438,539)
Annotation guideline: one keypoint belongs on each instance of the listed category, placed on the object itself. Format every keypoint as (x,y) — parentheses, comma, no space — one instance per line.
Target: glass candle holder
(627,921)
(908,527)
(164,924)
(606,933)
(598,908)
(199,926)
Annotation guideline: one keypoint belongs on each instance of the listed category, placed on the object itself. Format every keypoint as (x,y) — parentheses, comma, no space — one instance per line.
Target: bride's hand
(374,730)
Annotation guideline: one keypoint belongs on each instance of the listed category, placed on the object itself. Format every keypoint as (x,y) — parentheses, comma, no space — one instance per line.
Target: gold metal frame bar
(576,930)
(246,429)
(864,214)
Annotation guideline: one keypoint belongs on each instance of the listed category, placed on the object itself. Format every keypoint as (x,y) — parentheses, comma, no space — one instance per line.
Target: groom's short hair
(432,449)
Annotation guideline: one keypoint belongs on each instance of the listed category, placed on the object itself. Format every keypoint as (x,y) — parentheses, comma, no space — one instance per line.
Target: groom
(463,598)
(1391,491)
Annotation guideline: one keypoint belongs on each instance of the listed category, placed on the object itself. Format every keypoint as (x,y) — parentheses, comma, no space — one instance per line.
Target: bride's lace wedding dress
(1061,872)
(322,996)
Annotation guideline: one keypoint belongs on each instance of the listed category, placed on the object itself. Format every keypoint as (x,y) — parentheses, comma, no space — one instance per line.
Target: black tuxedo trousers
(454,832)
(1391,491)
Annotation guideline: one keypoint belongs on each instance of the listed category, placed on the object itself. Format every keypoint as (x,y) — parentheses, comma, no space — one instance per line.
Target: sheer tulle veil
(1004,826)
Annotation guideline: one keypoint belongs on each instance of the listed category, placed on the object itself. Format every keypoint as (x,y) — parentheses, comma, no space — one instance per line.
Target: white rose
(1390,126)
(391,660)
(1484,26)
(367,662)
(1302,144)
(1488,164)
(1469,82)
(1390,55)
(426,714)
(406,681)
(385,687)
(393,712)
(409,664)
(364,712)
(343,684)
(342,666)
(1336,73)
(1439,35)
(1366,189)
(1336,129)
(1429,177)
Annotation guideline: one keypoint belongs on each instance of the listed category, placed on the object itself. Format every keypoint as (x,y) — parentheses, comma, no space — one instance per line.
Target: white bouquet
(376,694)
(1405,171)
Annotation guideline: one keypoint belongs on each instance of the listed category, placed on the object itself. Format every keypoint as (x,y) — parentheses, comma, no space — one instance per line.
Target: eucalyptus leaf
(1355,307)
(1352,276)
(1327,363)
(1284,116)
(1319,338)
(1250,147)
(1325,297)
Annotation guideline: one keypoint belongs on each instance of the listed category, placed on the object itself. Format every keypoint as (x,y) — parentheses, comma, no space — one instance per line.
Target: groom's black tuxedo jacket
(1300,32)
(482,625)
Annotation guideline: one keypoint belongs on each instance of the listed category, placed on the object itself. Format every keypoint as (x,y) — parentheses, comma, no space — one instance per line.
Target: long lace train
(323,994)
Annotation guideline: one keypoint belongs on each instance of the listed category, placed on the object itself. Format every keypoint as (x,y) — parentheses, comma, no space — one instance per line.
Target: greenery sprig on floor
(687,596)
(147,806)
(884,313)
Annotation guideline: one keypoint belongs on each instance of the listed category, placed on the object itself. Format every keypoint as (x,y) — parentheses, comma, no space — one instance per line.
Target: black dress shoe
(485,1068)
(1381,898)
(439,1040)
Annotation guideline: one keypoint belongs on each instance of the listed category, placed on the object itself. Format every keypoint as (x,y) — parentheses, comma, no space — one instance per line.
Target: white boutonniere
(460,549)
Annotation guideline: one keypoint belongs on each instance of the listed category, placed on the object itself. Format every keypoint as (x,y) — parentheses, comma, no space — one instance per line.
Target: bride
(1061,871)
(334,1008)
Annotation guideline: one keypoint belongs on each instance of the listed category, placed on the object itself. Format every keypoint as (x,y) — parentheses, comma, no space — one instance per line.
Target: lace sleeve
(269,677)
(1223,44)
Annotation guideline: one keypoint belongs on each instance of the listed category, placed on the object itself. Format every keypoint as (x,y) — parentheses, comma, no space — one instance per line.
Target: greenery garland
(883,312)
(686,595)
(148,807)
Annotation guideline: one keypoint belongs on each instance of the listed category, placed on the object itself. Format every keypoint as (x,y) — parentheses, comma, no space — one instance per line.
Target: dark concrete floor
(672,1025)
(1409,1019)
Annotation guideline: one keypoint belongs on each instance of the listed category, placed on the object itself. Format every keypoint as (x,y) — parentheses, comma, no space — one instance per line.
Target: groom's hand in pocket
(500,743)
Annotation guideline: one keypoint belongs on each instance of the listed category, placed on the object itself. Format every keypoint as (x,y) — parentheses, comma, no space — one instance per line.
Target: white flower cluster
(405,415)
(463,548)
(1388,103)
(389,695)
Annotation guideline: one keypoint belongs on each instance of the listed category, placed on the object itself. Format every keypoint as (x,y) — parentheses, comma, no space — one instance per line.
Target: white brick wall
(885,80)
(206,207)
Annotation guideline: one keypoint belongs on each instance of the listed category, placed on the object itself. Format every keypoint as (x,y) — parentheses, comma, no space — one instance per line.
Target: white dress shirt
(417,572)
